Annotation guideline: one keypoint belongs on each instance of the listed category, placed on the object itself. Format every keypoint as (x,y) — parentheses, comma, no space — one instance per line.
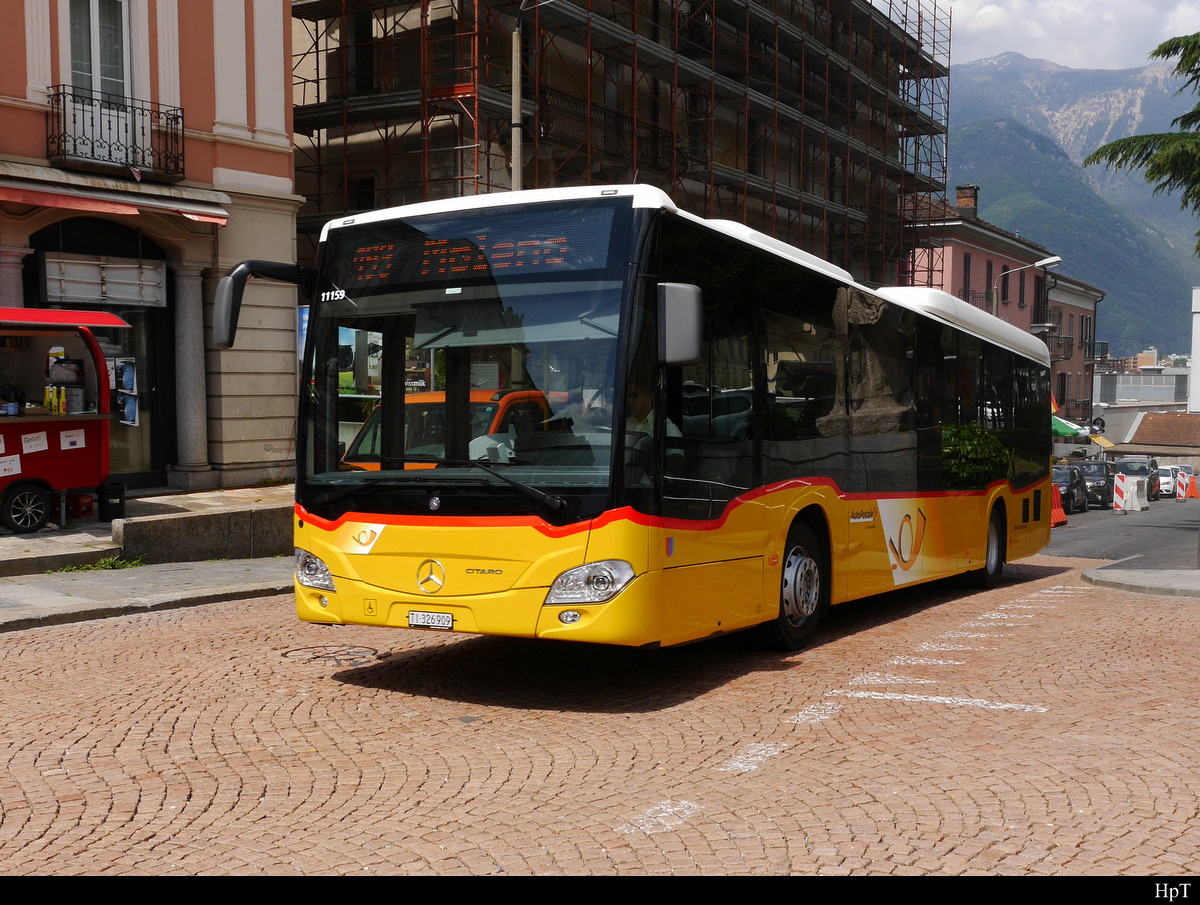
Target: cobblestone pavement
(1045,727)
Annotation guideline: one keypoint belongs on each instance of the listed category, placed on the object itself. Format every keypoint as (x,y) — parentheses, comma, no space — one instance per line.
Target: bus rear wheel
(993,557)
(803,590)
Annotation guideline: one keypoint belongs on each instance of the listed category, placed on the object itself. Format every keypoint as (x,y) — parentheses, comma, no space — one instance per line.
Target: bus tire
(24,508)
(993,556)
(803,589)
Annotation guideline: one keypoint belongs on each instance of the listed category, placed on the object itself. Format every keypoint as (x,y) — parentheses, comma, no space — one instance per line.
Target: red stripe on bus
(628,514)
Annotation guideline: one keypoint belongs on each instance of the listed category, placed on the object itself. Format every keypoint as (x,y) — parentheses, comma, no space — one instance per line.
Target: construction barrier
(1142,492)
(1129,493)
(1058,515)
(1181,484)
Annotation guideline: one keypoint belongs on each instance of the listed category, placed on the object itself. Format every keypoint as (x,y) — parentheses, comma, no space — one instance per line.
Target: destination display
(446,252)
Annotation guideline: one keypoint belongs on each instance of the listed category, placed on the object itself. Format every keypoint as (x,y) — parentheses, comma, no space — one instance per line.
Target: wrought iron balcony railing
(1077,410)
(981,299)
(106,132)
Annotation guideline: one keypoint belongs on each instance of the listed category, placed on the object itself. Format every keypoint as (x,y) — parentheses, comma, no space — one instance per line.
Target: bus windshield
(450,349)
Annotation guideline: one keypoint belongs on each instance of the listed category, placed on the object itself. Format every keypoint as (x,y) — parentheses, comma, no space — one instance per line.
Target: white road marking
(971,634)
(816,713)
(936,699)
(995,625)
(666,815)
(1006,616)
(884,678)
(923,661)
(749,760)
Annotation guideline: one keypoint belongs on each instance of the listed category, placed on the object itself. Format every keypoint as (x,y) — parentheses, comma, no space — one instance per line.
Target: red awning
(33,318)
(68,202)
(97,201)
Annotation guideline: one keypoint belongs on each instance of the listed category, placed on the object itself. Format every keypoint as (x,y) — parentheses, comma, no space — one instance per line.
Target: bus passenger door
(710,543)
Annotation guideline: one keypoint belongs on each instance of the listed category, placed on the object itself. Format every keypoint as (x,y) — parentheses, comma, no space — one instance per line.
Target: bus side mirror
(680,324)
(227,303)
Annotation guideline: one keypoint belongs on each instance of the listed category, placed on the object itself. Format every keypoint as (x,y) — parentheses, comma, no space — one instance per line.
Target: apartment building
(147,149)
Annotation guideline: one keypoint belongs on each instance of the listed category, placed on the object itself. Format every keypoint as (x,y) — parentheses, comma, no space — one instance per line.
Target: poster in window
(125,374)
(127,409)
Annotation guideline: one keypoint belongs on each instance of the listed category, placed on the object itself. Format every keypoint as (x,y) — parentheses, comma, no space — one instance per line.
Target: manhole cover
(334,654)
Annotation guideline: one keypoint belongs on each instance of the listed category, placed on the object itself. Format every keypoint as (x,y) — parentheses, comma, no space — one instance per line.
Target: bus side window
(800,375)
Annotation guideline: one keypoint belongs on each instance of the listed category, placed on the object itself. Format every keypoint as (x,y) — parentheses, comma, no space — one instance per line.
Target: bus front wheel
(803,589)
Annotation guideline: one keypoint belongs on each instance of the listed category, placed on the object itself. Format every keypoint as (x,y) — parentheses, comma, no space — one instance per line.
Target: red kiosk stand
(42,452)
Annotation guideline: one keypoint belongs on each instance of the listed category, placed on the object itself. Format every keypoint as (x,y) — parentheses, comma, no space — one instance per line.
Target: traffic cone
(1058,517)
(1193,493)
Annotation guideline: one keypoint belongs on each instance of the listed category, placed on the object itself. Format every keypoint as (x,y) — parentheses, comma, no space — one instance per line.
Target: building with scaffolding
(820,122)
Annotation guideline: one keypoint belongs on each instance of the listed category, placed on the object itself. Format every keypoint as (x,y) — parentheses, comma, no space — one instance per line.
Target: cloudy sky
(1081,34)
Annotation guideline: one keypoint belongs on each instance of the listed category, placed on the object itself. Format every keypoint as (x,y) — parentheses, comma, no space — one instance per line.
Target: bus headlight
(312,571)
(595,582)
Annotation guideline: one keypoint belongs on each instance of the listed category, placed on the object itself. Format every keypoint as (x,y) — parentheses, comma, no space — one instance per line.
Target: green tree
(1171,160)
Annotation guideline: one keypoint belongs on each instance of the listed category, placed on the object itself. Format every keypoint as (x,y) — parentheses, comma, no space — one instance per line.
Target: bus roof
(944,307)
(644,196)
(935,303)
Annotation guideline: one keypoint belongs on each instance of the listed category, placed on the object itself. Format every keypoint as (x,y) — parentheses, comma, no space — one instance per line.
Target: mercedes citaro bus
(732,433)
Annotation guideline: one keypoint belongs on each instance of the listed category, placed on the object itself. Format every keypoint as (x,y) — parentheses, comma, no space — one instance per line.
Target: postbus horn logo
(908,538)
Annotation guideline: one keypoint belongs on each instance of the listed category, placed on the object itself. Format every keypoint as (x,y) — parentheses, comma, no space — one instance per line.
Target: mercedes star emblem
(430,576)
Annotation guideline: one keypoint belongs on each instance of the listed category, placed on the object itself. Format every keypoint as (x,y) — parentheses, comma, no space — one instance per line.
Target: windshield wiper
(551,501)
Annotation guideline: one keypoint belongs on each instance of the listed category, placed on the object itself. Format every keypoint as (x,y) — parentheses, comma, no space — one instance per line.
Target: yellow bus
(737,434)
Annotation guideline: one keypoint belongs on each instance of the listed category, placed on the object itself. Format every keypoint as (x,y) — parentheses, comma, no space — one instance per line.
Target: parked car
(1166,480)
(1099,477)
(1142,467)
(1071,487)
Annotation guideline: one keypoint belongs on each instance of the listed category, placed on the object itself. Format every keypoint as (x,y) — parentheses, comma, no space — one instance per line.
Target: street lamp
(1044,263)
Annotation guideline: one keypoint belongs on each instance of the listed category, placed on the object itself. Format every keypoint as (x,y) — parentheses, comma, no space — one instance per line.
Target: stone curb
(168,601)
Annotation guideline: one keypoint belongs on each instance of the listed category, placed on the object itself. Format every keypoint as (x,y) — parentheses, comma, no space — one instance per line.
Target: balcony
(1062,347)
(1096,352)
(106,133)
(1077,410)
(981,299)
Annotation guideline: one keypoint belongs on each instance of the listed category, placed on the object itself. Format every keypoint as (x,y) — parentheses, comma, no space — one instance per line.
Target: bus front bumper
(520,613)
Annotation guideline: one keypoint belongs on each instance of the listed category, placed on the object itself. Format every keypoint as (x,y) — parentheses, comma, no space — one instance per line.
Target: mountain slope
(1080,109)
(1020,129)
(1029,185)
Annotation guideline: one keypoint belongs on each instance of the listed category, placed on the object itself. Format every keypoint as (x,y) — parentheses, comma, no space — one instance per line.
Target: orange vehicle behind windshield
(492,412)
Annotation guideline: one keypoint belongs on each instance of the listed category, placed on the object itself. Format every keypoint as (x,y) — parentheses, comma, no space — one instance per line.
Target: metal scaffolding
(821,122)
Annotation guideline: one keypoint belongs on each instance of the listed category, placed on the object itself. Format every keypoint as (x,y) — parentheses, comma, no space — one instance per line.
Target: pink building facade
(147,148)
